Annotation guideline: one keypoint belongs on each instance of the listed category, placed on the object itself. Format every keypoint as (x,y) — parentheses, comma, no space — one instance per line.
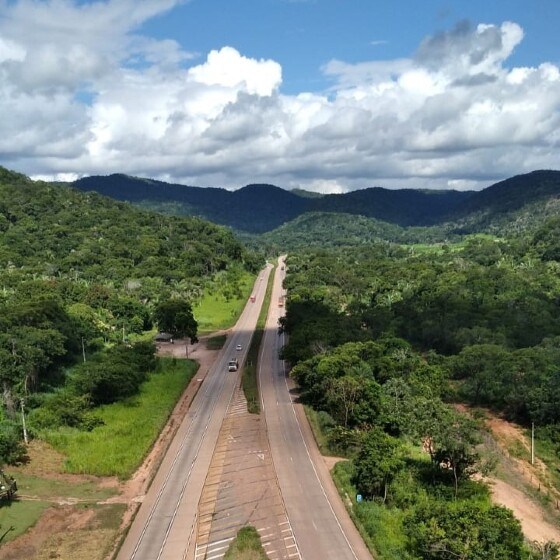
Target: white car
(238,347)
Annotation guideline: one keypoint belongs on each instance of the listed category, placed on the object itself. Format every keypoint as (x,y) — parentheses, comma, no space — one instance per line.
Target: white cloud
(82,92)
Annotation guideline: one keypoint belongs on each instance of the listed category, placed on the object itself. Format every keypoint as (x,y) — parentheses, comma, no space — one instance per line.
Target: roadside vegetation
(127,429)
(249,380)
(223,300)
(216,342)
(385,341)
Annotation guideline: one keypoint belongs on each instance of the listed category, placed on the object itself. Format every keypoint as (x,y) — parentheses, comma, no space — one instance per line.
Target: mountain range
(260,208)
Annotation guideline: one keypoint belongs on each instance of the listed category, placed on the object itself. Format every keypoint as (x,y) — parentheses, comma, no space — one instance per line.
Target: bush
(116,375)
(12,449)
(65,409)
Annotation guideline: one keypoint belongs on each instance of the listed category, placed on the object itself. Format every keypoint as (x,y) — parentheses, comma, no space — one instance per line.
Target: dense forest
(79,275)
(385,339)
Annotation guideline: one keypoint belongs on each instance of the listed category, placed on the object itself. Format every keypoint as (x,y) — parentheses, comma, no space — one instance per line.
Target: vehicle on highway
(239,347)
(233,364)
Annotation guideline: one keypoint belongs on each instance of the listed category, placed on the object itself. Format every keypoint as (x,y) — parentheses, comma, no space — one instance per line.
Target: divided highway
(165,525)
(321,525)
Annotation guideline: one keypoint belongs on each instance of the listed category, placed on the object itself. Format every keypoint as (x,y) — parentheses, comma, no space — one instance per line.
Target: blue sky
(328,95)
(303,35)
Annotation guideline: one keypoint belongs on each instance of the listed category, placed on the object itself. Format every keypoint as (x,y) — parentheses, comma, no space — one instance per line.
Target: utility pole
(25,438)
(532,443)
(83,350)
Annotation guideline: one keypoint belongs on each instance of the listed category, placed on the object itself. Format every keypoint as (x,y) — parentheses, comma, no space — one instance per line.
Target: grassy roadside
(220,309)
(216,342)
(249,378)
(341,475)
(118,447)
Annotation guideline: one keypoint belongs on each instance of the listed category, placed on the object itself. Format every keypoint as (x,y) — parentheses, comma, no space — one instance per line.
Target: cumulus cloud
(83,92)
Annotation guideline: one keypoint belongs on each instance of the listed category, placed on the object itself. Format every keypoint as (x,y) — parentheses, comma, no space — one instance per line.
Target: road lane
(164,526)
(322,527)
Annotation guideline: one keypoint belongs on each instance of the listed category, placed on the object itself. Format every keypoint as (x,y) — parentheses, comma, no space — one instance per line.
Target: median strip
(249,377)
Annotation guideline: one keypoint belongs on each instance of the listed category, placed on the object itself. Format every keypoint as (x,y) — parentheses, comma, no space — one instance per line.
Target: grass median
(249,379)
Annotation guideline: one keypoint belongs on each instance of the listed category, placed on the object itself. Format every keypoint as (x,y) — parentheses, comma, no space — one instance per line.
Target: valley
(406,338)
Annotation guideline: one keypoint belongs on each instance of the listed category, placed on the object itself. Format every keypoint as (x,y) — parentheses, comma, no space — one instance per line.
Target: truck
(8,486)
(233,364)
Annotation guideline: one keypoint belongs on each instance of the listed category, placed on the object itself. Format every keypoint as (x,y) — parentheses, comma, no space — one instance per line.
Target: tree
(464,531)
(379,460)
(175,316)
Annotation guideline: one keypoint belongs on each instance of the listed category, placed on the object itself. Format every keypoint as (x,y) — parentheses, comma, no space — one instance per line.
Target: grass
(215,311)
(18,516)
(46,488)
(118,447)
(216,342)
(246,546)
(359,513)
(320,437)
(94,541)
(249,378)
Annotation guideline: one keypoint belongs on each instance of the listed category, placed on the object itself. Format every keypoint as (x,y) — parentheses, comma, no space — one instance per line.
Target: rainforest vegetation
(384,340)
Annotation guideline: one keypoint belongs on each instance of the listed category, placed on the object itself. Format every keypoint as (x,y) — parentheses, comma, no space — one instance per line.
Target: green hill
(331,229)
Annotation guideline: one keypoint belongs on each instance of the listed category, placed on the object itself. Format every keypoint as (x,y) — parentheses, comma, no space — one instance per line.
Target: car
(239,347)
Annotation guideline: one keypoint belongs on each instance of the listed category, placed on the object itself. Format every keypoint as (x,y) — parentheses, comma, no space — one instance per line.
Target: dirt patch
(520,476)
(332,461)
(54,520)
(536,526)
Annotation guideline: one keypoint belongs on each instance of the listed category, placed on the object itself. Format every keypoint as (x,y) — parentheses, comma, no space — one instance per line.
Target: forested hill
(520,202)
(55,231)
(261,208)
(255,208)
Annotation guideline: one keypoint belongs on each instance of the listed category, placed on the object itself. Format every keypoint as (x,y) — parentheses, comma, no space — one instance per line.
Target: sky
(325,95)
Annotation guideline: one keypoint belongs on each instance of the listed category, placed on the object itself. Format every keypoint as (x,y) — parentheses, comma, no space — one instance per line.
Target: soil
(66,526)
(537,523)
(332,461)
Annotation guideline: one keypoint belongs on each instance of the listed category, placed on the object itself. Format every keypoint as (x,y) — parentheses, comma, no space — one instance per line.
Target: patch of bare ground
(516,478)
(71,531)
(332,461)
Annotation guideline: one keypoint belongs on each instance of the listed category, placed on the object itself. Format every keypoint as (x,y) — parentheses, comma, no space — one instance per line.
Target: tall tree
(175,316)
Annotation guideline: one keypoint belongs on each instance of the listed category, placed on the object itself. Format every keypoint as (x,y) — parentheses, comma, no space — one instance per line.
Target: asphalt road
(321,525)
(165,525)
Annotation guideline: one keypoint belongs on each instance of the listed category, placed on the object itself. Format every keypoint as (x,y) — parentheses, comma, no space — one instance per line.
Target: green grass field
(215,312)
(17,516)
(131,427)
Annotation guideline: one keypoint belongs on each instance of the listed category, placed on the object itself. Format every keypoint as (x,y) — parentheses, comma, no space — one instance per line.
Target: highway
(165,525)
(322,528)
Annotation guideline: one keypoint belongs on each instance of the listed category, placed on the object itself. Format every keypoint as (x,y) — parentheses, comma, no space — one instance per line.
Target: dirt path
(537,523)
